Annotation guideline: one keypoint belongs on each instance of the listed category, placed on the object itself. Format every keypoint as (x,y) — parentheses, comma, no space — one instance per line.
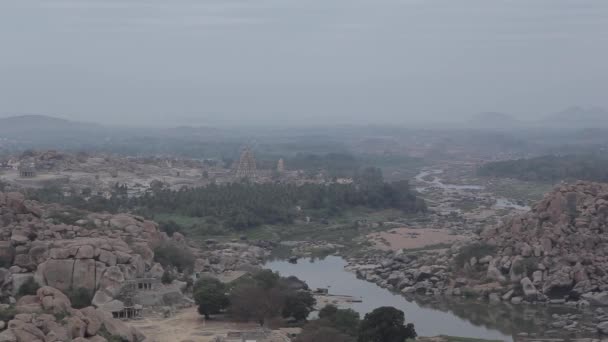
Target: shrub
(167,278)
(28,288)
(170,227)
(7,314)
(80,297)
(169,254)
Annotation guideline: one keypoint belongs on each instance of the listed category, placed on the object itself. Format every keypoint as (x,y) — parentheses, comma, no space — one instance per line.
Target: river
(501,202)
(329,273)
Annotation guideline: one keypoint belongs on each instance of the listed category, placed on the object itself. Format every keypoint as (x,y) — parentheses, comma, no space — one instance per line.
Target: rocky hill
(104,259)
(559,249)
(556,252)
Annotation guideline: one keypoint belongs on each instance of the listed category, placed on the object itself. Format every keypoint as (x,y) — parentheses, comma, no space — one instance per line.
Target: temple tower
(246,167)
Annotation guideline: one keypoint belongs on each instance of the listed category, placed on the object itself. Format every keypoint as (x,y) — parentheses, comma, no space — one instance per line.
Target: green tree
(210,296)
(385,324)
(169,254)
(252,302)
(298,304)
(344,320)
(316,332)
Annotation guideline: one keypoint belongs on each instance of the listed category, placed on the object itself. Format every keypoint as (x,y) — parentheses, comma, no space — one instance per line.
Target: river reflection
(431,318)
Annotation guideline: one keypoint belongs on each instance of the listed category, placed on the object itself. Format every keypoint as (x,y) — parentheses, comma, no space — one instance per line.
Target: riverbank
(448,315)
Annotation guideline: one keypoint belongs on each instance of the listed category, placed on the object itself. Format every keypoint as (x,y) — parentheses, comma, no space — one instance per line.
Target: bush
(28,288)
(169,254)
(167,278)
(7,314)
(80,297)
(170,227)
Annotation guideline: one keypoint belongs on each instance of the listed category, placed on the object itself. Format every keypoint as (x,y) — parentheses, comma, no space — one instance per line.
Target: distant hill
(493,120)
(34,122)
(550,168)
(32,130)
(579,117)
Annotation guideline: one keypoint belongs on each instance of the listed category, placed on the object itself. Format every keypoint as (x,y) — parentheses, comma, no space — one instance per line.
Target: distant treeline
(244,205)
(337,164)
(550,168)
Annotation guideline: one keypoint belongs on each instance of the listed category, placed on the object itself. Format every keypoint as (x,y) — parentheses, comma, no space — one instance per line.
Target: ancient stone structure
(246,167)
(281,166)
(27,169)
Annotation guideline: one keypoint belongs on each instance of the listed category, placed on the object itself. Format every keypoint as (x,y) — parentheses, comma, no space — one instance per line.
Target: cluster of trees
(384,324)
(550,168)
(260,298)
(169,254)
(335,164)
(245,205)
(265,297)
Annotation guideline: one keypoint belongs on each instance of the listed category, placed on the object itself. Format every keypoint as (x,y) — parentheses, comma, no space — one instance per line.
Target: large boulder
(57,273)
(117,328)
(53,300)
(597,299)
(83,275)
(93,318)
(530,292)
(558,284)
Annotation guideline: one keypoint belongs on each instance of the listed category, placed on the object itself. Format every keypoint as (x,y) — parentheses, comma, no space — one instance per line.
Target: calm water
(330,273)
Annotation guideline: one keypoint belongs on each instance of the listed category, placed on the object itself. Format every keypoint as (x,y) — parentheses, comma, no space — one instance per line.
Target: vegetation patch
(28,288)
(170,254)
(80,297)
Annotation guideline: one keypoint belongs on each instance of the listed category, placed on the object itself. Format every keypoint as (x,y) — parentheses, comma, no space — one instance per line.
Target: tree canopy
(385,324)
(210,295)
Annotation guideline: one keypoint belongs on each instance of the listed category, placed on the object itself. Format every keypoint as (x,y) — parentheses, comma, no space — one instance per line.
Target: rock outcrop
(67,249)
(56,320)
(562,243)
(557,252)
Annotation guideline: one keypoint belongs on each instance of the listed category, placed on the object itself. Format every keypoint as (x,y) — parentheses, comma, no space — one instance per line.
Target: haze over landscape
(295,62)
(303,171)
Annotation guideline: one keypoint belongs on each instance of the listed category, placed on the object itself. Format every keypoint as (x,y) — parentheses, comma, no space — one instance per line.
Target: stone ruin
(27,169)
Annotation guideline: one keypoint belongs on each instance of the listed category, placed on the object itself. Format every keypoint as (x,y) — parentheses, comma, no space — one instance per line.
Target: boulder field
(52,319)
(64,250)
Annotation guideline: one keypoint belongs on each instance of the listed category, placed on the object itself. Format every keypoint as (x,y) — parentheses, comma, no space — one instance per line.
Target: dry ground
(409,238)
(186,325)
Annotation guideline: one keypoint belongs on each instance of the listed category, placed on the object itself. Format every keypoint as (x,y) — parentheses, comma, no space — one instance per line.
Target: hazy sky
(300,61)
